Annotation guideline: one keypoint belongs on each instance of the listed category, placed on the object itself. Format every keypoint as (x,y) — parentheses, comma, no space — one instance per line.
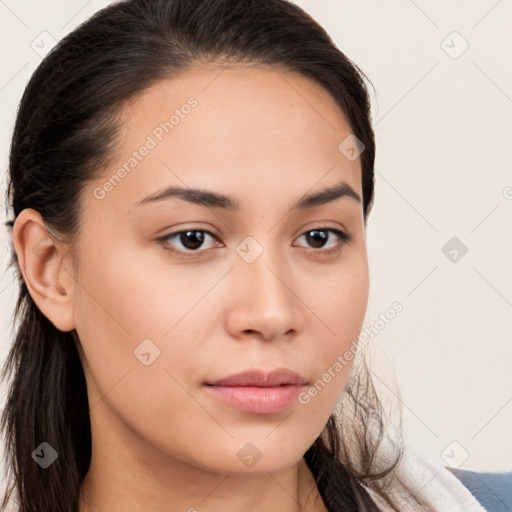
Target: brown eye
(190,239)
(318,237)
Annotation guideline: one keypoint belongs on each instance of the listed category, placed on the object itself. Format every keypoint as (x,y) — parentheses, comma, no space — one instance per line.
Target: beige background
(443,120)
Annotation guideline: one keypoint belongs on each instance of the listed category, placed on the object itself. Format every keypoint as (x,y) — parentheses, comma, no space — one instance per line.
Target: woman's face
(251,286)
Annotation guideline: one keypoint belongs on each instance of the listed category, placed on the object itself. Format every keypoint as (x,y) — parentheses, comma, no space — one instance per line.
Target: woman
(190,184)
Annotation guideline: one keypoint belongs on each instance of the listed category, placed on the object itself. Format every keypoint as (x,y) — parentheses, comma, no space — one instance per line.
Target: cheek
(115,312)
(136,374)
(341,311)
(140,325)
(341,306)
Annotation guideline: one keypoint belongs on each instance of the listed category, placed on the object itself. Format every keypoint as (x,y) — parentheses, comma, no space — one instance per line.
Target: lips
(259,392)
(260,378)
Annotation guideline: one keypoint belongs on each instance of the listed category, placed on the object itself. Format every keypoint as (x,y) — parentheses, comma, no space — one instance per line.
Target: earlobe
(42,264)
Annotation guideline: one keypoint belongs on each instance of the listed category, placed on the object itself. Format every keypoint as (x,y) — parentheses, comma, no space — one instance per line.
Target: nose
(265,299)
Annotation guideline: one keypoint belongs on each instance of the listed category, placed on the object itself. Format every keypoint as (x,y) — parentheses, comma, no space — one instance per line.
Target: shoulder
(492,490)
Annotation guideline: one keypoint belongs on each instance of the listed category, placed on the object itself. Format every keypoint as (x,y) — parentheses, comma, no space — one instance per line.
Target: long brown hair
(63,137)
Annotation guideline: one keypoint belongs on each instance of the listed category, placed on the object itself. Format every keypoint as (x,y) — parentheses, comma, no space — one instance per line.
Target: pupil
(197,238)
(318,238)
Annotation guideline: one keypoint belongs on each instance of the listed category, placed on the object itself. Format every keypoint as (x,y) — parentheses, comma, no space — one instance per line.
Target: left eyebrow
(216,200)
(327,195)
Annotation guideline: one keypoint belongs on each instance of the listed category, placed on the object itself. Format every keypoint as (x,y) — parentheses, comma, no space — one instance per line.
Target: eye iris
(197,238)
(317,238)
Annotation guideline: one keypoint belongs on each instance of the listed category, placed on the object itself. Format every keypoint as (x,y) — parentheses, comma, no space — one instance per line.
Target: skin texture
(160,441)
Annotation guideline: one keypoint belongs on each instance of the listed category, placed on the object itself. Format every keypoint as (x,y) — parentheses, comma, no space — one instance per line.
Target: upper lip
(261,378)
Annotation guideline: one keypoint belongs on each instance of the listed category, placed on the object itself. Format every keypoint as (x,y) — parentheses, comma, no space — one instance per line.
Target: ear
(42,262)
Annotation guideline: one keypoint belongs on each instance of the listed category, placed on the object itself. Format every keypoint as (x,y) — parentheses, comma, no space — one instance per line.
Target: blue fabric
(492,490)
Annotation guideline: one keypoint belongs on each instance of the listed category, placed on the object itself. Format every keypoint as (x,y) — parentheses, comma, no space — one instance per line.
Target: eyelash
(343,237)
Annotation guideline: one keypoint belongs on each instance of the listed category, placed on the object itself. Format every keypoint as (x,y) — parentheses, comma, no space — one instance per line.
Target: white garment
(434,483)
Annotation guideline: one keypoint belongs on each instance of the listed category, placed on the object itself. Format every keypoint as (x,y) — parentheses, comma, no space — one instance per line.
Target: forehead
(234,128)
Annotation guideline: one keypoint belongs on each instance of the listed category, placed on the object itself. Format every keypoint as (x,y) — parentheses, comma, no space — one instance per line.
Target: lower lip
(259,400)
